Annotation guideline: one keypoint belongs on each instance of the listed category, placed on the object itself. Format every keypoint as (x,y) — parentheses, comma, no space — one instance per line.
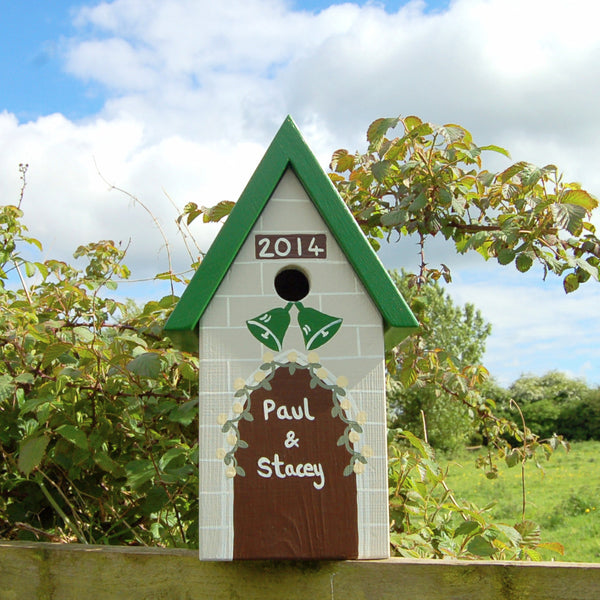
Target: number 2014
(291,246)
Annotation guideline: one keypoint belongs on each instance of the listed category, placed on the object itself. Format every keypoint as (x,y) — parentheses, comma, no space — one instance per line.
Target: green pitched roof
(288,149)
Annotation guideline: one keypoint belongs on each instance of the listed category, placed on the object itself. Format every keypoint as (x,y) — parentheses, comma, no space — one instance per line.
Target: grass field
(563,498)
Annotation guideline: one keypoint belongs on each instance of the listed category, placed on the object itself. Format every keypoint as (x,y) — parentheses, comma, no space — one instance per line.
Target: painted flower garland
(318,376)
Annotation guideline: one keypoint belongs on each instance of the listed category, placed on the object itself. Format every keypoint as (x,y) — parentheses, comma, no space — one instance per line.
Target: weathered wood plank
(69,572)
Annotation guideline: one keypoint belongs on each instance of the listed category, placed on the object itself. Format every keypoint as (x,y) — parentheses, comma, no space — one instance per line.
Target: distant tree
(555,404)
(461,332)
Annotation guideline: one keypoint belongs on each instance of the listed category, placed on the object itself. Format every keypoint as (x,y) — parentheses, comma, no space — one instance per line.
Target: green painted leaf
(348,470)
(146,365)
(31,453)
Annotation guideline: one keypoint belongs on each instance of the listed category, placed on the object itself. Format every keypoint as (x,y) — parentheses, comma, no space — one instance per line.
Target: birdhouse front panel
(292,442)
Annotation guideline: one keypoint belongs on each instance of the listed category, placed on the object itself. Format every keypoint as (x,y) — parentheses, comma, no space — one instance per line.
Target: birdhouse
(291,313)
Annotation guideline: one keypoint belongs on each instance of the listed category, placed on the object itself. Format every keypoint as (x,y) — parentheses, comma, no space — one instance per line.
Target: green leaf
(493,148)
(379,128)
(506,256)
(217,212)
(31,453)
(156,499)
(73,435)
(418,203)
(139,472)
(381,169)
(580,198)
(170,455)
(553,546)
(570,283)
(342,161)
(568,216)
(185,413)
(54,351)
(83,334)
(106,463)
(524,262)
(24,378)
(411,122)
(479,546)
(7,387)
(530,532)
(145,365)
(29,269)
(513,458)
(467,528)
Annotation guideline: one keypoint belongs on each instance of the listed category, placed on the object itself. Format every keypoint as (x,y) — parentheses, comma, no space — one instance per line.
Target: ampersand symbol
(291,440)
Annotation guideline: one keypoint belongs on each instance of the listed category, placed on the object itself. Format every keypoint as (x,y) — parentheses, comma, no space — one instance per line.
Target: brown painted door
(294,501)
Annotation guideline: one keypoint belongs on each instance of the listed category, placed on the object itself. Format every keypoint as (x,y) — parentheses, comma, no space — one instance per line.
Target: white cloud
(195,90)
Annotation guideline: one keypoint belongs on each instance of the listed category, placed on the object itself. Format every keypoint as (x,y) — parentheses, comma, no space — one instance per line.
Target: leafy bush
(98,425)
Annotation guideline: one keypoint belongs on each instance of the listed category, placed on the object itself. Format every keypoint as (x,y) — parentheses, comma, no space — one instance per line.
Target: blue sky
(162,97)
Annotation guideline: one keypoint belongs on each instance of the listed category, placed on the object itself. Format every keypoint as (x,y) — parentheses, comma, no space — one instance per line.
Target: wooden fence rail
(68,572)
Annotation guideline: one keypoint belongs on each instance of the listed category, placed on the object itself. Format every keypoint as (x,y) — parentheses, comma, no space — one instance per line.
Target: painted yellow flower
(367,451)
(361,417)
(232,439)
(342,381)
(313,357)
(354,436)
(222,419)
(345,404)
(268,357)
(358,467)
(239,384)
(237,408)
(230,472)
(322,373)
(292,357)
(221,453)
(259,376)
